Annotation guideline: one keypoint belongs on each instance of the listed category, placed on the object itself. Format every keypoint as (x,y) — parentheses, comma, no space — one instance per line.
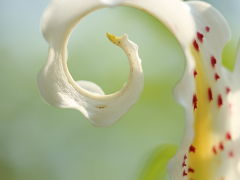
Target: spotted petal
(208,92)
(210,147)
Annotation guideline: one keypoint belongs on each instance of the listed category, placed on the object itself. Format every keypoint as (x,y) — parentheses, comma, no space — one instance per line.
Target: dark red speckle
(184,164)
(192,149)
(213,61)
(210,95)
(207,29)
(190,170)
(221,146)
(200,36)
(216,76)
(184,173)
(194,101)
(185,157)
(231,154)
(220,101)
(195,45)
(195,73)
(228,90)
(214,149)
(228,136)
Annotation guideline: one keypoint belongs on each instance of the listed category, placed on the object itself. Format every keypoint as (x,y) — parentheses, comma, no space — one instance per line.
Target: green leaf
(229,55)
(156,167)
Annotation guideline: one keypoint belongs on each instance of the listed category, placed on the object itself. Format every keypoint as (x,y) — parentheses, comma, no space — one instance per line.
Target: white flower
(209,93)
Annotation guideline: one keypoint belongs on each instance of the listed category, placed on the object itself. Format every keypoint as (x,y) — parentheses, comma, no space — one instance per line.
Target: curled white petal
(174,14)
(209,93)
(56,83)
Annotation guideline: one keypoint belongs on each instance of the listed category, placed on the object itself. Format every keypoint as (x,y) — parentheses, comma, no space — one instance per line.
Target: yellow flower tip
(114,39)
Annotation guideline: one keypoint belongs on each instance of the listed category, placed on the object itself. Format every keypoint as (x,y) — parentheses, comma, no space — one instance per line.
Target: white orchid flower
(209,93)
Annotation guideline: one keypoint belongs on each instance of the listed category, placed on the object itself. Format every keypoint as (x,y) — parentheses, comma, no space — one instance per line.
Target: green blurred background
(40,142)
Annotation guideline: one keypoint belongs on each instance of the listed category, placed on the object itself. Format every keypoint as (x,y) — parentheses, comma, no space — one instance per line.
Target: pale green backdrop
(40,142)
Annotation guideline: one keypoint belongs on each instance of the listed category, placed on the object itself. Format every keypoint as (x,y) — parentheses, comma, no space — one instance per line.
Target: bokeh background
(40,142)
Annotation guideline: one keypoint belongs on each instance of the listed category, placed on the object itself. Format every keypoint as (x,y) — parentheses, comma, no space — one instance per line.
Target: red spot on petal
(194,101)
(228,136)
(184,173)
(228,90)
(213,61)
(216,76)
(195,73)
(231,154)
(190,170)
(230,106)
(221,146)
(210,95)
(185,157)
(220,101)
(207,29)
(192,149)
(214,149)
(195,45)
(200,36)
(184,164)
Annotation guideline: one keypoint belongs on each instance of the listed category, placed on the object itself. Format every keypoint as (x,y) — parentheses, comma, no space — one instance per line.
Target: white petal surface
(56,83)
(208,92)
(210,148)
(175,14)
